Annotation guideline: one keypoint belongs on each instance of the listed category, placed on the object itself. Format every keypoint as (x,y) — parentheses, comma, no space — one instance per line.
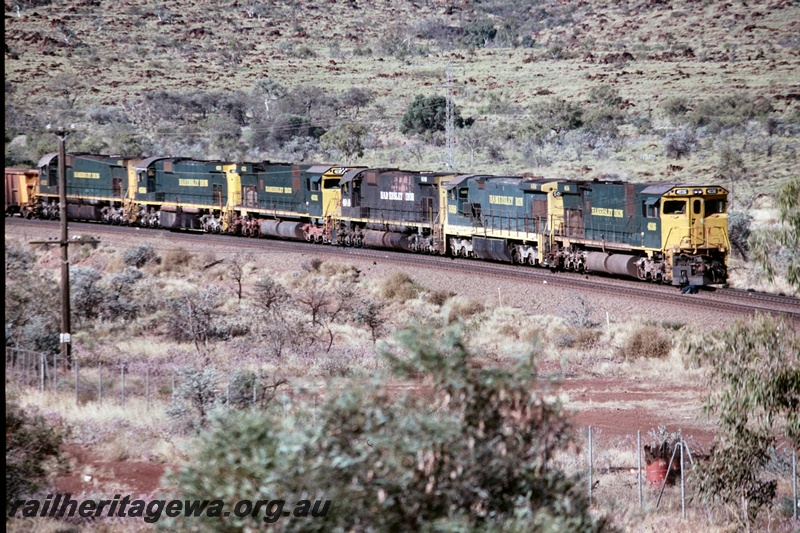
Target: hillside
(102,65)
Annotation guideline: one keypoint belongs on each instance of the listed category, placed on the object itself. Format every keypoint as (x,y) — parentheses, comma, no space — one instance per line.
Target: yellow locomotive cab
(694,224)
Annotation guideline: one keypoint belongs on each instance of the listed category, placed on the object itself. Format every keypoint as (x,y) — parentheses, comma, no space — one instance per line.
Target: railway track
(728,301)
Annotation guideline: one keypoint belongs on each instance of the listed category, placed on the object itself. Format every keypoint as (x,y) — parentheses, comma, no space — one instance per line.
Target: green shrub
(753,373)
(479,33)
(482,460)
(31,444)
(86,293)
(138,256)
(729,111)
(197,394)
(676,107)
(428,114)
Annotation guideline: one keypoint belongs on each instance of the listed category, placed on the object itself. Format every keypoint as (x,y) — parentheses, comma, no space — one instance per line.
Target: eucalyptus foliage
(471,451)
(753,370)
(783,239)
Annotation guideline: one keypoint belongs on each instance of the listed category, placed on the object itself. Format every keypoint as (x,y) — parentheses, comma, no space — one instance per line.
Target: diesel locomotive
(670,233)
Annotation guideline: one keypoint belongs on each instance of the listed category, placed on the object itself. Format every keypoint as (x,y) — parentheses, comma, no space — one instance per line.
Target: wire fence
(654,484)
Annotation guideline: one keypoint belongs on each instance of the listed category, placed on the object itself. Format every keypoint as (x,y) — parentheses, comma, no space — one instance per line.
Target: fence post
(315,408)
(639,455)
(76,382)
(591,464)
(794,483)
(147,388)
(664,483)
(683,487)
(41,361)
(122,367)
(55,372)
(254,390)
(228,397)
(100,384)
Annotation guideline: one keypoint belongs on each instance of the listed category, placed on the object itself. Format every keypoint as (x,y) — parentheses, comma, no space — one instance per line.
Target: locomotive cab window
(675,207)
(697,206)
(314,185)
(650,208)
(714,207)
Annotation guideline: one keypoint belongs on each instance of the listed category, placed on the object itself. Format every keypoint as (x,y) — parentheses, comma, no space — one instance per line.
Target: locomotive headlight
(697,191)
(711,191)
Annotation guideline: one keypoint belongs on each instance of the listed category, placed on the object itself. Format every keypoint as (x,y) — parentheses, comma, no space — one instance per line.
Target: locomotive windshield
(715,206)
(674,207)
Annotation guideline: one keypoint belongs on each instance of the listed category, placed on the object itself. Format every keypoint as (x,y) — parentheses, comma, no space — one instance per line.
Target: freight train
(669,233)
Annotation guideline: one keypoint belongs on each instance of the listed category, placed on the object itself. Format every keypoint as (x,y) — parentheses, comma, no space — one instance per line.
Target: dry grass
(462,309)
(400,287)
(647,342)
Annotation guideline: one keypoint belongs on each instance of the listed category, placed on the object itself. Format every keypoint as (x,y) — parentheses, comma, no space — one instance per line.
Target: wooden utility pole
(64,242)
(66,328)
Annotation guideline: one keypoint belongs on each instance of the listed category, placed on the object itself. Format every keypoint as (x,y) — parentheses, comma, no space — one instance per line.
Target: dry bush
(463,309)
(175,259)
(507,332)
(330,272)
(647,342)
(440,297)
(339,272)
(400,287)
(587,338)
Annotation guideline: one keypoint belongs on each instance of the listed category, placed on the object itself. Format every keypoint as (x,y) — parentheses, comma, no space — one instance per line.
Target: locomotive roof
(149,161)
(658,189)
(459,179)
(320,169)
(45,160)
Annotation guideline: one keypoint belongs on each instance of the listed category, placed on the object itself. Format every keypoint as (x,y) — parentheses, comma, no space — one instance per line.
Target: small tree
(753,372)
(238,265)
(196,396)
(370,313)
(427,114)
(786,236)
(269,295)
(86,293)
(479,33)
(193,314)
(680,142)
(345,139)
(553,119)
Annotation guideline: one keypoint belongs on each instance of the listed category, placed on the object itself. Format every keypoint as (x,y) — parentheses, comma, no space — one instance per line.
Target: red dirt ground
(92,475)
(615,407)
